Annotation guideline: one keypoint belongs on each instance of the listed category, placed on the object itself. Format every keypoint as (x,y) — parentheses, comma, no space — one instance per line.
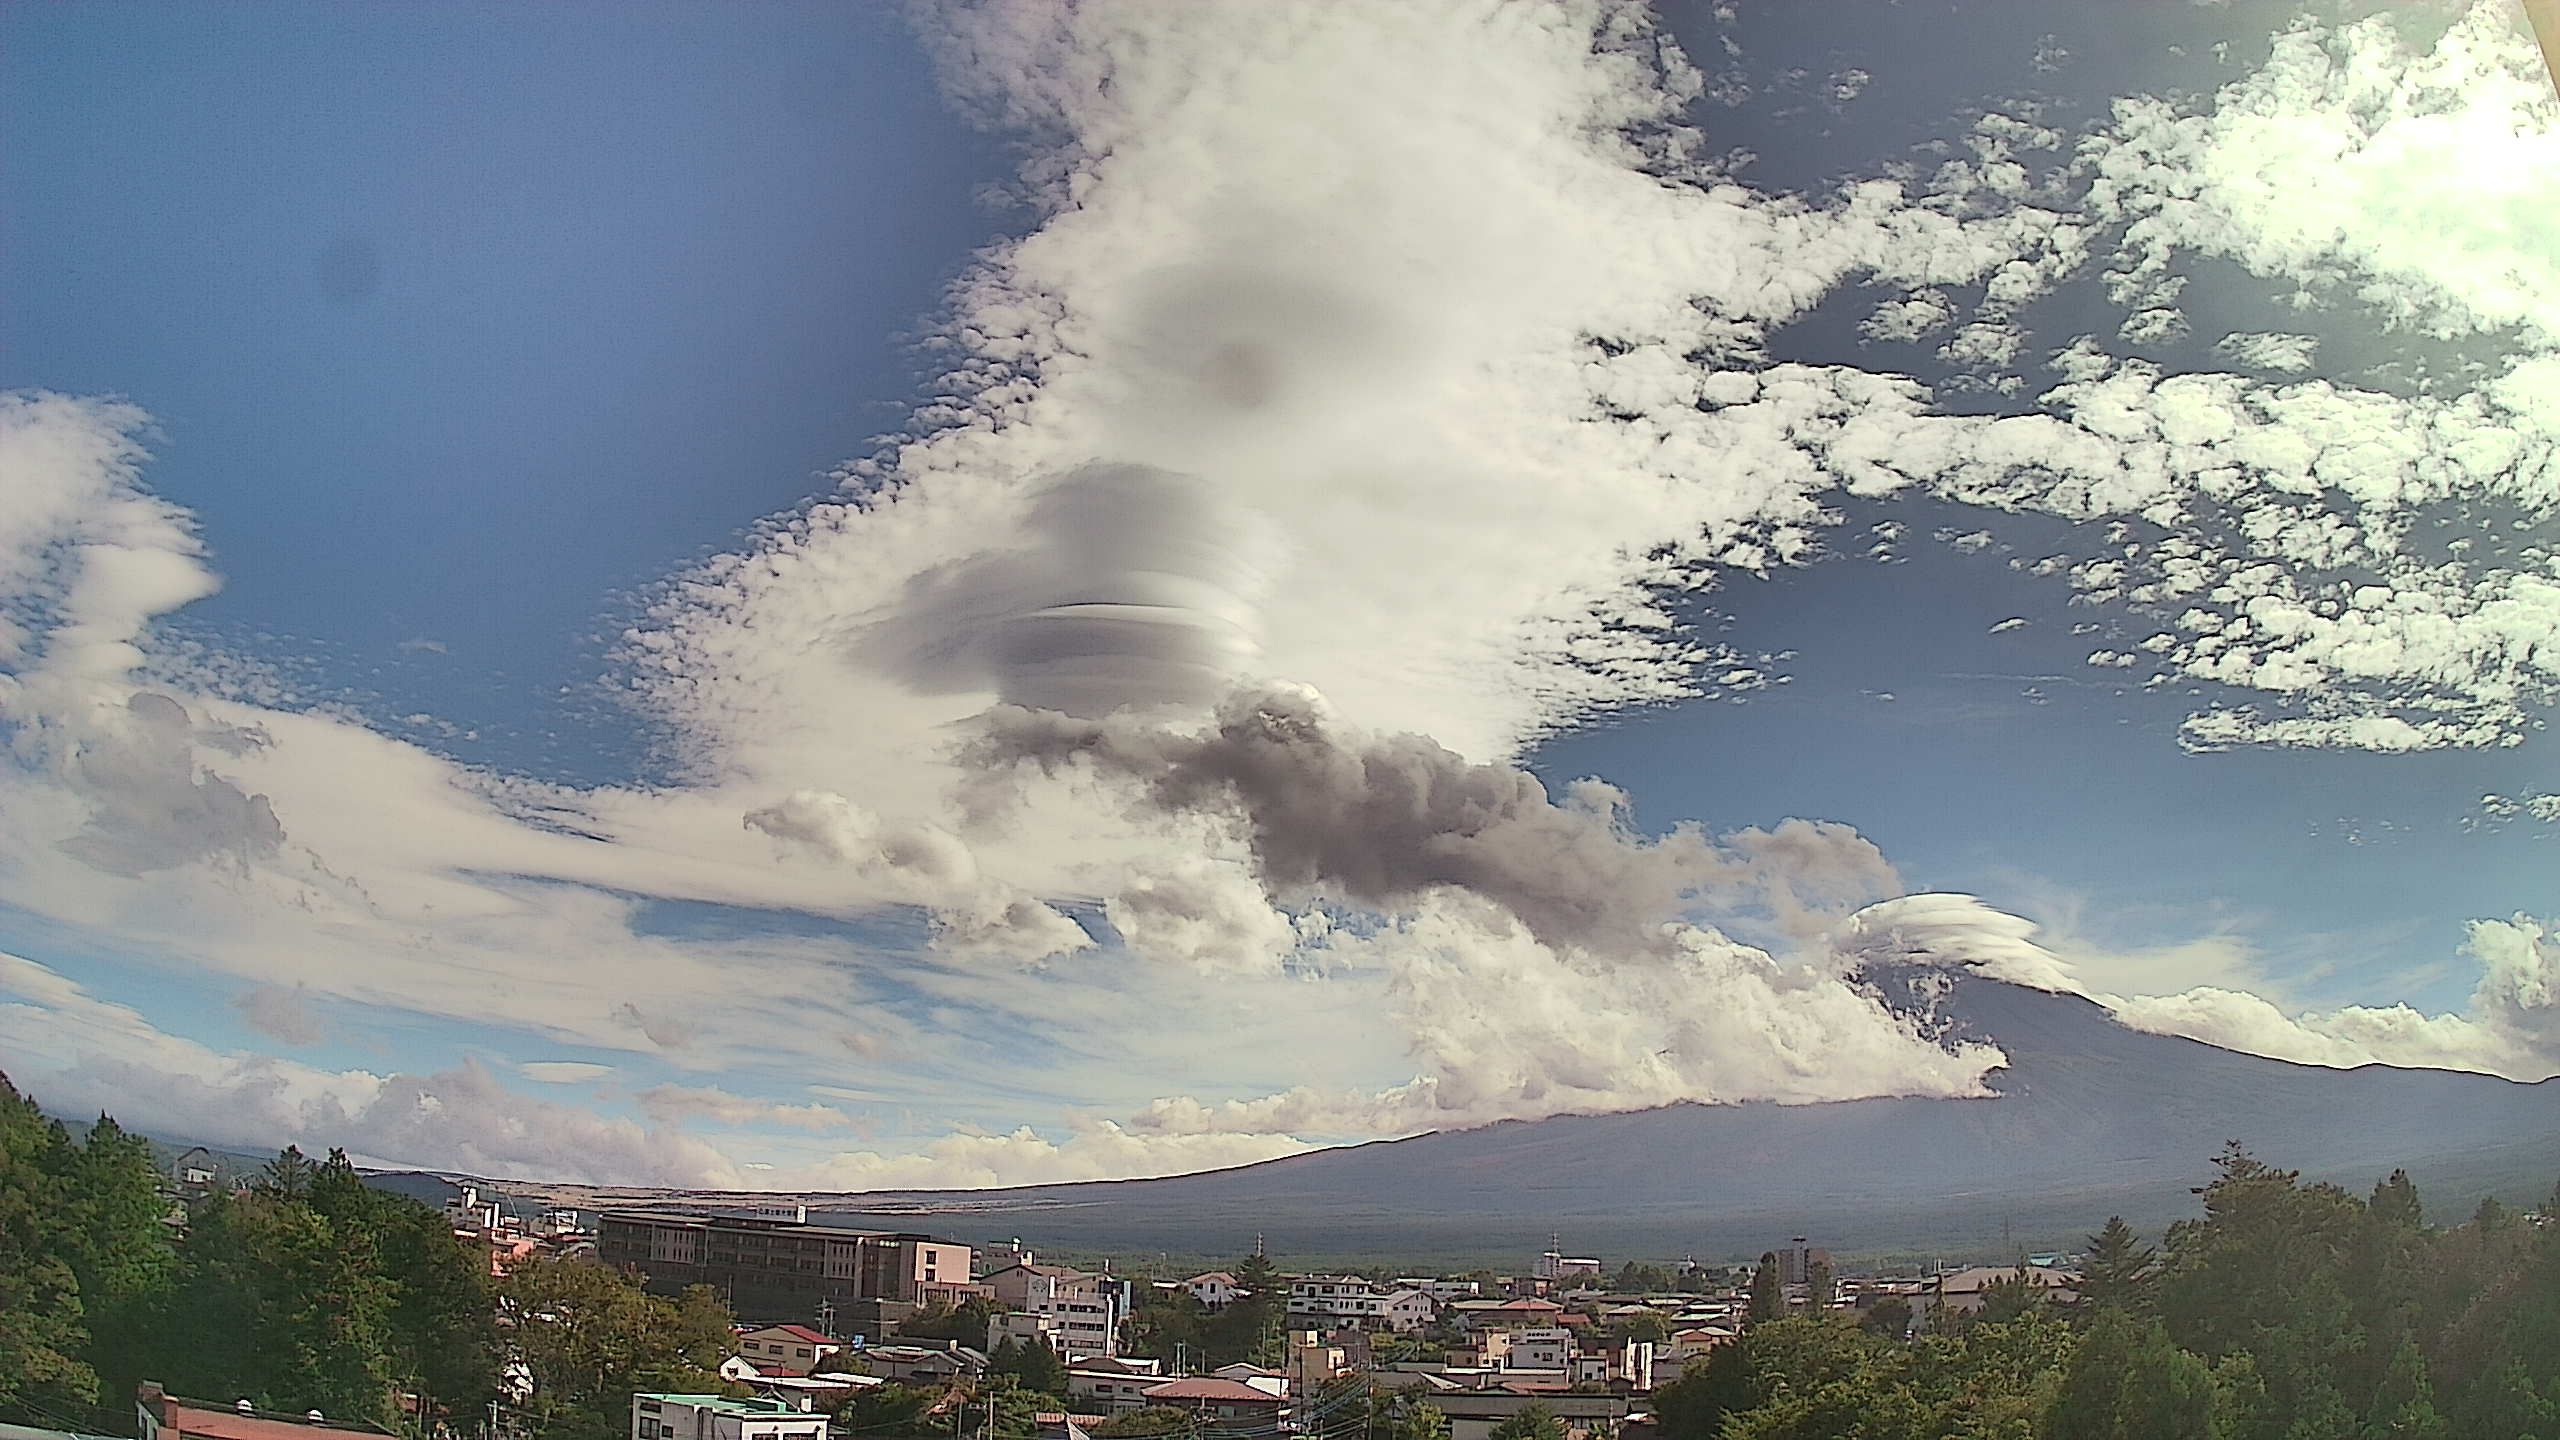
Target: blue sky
(502,364)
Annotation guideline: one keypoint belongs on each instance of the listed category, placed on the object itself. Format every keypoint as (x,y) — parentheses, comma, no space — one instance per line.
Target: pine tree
(2125,1381)
(115,1243)
(1768,1292)
(2404,1405)
(43,1334)
(288,1175)
(2395,1203)
(2117,1272)
(1820,1288)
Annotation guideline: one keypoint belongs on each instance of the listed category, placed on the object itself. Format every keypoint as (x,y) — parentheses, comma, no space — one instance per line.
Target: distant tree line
(309,1291)
(2288,1311)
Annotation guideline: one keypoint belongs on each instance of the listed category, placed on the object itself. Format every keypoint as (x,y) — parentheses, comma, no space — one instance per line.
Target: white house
(1543,1349)
(1110,1391)
(1214,1289)
(1357,1303)
(715,1417)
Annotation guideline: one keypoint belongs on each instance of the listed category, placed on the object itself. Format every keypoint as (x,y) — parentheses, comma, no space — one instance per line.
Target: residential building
(1538,1349)
(162,1416)
(1214,1399)
(1024,1326)
(1690,1343)
(1796,1262)
(1442,1291)
(787,1347)
(1505,1314)
(1111,1391)
(1087,1308)
(1354,1302)
(195,1172)
(1269,1382)
(925,1364)
(1962,1290)
(469,1210)
(1214,1289)
(717,1417)
(772,1265)
(1003,1255)
(1473,1414)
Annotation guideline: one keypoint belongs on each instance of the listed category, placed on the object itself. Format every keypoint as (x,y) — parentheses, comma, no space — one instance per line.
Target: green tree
(2009,1296)
(888,1410)
(2117,1273)
(115,1241)
(2404,1404)
(966,1323)
(1249,1328)
(1768,1292)
(1889,1317)
(1146,1422)
(1166,1325)
(1030,1364)
(1647,1326)
(287,1176)
(2126,1381)
(590,1336)
(444,1335)
(1820,1287)
(1532,1421)
(2395,1203)
(44,1338)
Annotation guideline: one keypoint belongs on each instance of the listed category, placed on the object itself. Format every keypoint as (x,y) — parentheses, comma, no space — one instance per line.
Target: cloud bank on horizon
(1373,388)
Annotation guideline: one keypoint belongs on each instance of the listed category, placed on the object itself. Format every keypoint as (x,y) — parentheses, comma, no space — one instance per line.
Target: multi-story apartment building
(1354,1302)
(1088,1308)
(771,1267)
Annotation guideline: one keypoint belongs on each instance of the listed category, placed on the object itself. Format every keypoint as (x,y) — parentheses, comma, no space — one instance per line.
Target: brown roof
(232,1425)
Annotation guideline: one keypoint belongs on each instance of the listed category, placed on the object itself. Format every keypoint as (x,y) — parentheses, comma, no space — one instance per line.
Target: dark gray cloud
(1383,820)
(1122,592)
(281,1013)
(151,808)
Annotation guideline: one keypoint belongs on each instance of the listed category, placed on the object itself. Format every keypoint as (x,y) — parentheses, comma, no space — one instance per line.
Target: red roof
(1208,1387)
(232,1425)
(797,1332)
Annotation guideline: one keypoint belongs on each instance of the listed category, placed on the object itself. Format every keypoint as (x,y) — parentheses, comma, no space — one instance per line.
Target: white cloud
(73,1049)
(1098,1150)
(2269,351)
(673,1105)
(2429,183)
(2512,1027)
(563,1072)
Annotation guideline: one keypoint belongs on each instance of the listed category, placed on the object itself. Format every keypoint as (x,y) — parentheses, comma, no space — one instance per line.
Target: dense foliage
(308,1290)
(1247,1328)
(2288,1311)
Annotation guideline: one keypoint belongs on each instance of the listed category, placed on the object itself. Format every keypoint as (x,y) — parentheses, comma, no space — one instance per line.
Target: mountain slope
(2091,1118)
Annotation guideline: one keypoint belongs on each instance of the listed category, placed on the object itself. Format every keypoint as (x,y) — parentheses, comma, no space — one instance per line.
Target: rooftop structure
(717,1417)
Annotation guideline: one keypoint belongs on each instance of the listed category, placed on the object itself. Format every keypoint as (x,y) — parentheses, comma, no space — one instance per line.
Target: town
(298,1302)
